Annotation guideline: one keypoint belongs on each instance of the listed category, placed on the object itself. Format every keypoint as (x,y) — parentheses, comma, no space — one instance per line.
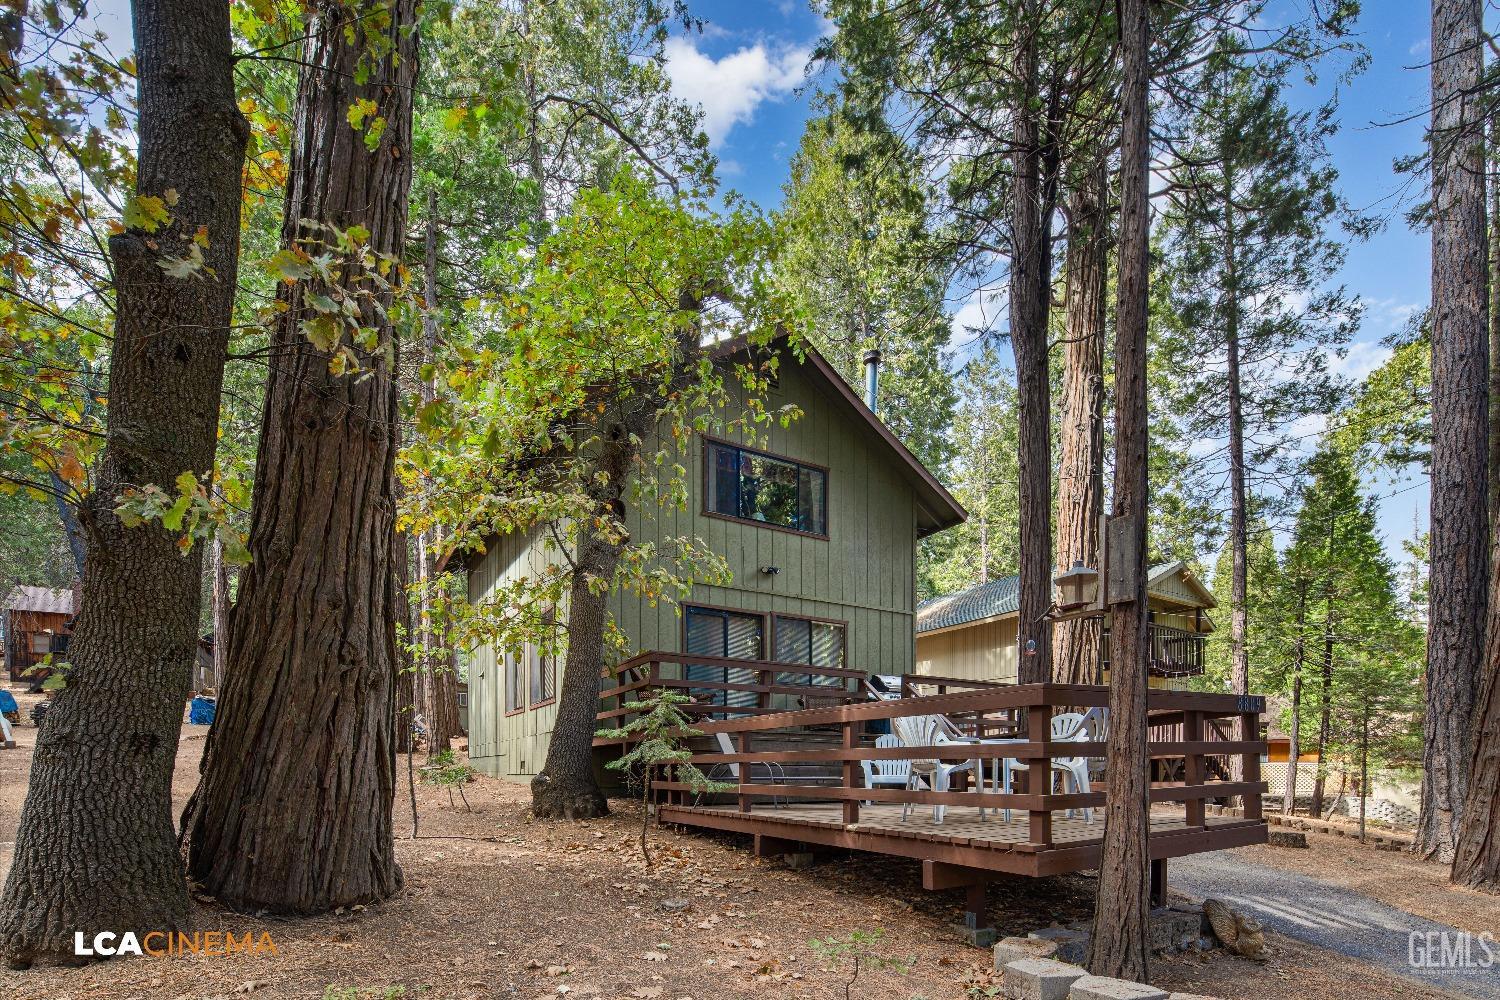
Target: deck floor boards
(963,838)
(961,824)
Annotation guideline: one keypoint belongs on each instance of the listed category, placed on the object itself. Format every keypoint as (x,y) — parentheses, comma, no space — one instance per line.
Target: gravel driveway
(1334,917)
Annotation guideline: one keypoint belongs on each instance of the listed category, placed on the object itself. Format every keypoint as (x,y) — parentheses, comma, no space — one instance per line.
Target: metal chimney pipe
(872,378)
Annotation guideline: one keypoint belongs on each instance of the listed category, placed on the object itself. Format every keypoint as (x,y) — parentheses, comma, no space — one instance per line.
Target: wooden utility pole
(1122,908)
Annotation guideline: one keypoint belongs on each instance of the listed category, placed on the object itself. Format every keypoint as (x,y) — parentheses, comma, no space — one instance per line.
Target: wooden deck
(804,782)
(962,840)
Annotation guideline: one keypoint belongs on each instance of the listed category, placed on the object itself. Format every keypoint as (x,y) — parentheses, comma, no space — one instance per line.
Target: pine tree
(984,475)
(1248,250)
(861,263)
(1360,644)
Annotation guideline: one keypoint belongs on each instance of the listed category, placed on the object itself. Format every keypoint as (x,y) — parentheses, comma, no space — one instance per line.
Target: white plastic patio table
(979,762)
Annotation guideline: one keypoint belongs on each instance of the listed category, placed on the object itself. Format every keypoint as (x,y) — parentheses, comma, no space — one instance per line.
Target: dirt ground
(498,906)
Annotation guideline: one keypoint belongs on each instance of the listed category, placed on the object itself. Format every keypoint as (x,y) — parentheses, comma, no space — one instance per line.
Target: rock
(1288,838)
(1172,929)
(1072,944)
(1039,979)
(1016,949)
(1241,934)
(673,905)
(1103,988)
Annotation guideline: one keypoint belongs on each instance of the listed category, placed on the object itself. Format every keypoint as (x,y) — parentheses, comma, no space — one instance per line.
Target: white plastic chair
(1066,727)
(926,731)
(1096,726)
(886,772)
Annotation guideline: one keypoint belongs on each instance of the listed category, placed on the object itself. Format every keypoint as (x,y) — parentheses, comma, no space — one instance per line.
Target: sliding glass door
(735,634)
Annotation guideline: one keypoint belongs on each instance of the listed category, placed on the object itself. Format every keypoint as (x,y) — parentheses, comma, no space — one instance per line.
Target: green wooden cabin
(819,524)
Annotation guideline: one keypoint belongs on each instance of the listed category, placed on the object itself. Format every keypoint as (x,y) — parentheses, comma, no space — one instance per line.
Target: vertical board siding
(863,573)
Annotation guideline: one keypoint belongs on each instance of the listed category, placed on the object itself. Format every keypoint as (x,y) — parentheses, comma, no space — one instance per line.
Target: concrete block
(1072,944)
(1288,838)
(1102,988)
(1039,979)
(1016,949)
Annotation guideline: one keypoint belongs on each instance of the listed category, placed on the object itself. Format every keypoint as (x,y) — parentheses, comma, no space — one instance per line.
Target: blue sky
(746,69)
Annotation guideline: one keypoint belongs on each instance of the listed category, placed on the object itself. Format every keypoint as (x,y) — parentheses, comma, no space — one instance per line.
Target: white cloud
(1362,357)
(1390,315)
(730,89)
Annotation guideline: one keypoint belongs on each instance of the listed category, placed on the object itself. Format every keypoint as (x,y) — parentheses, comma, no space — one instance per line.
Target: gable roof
(936,507)
(1001,597)
(46,600)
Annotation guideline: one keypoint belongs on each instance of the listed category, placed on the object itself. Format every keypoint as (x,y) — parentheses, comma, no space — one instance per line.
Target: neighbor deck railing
(1035,704)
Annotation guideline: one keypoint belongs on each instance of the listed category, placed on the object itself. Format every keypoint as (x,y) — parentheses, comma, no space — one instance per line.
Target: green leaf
(146,212)
(360,110)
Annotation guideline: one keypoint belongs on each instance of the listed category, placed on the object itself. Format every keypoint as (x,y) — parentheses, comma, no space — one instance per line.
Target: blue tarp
(8,702)
(202,712)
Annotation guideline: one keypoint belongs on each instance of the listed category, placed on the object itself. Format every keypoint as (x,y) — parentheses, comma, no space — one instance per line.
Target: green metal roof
(988,600)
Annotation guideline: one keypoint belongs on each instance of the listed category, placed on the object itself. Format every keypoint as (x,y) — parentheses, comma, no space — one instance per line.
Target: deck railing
(996,724)
(1174,652)
(1034,703)
(748,687)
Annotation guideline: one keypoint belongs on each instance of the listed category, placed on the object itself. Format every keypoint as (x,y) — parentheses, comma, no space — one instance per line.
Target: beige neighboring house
(971,634)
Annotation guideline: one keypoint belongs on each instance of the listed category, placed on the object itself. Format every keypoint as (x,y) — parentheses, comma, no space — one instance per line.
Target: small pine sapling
(658,732)
(859,948)
(447,771)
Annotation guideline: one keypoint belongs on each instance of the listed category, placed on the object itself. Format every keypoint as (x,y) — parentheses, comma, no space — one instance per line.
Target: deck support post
(1192,767)
(1250,726)
(851,742)
(1039,773)
(767,846)
(977,930)
(1159,882)
(743,745)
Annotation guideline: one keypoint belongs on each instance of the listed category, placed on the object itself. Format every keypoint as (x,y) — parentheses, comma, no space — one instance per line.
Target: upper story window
(754,486)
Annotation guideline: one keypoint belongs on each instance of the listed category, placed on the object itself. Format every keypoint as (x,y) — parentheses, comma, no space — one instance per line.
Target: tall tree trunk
(566,787)
(219,596)
(1121,909)
(1080,475)
(1476,860)
(293,813)
(1460,552)
(442,709)
(96,850)
(1032,198)
(1239,585)
(1294,744)
(1325,709)
(406,706)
